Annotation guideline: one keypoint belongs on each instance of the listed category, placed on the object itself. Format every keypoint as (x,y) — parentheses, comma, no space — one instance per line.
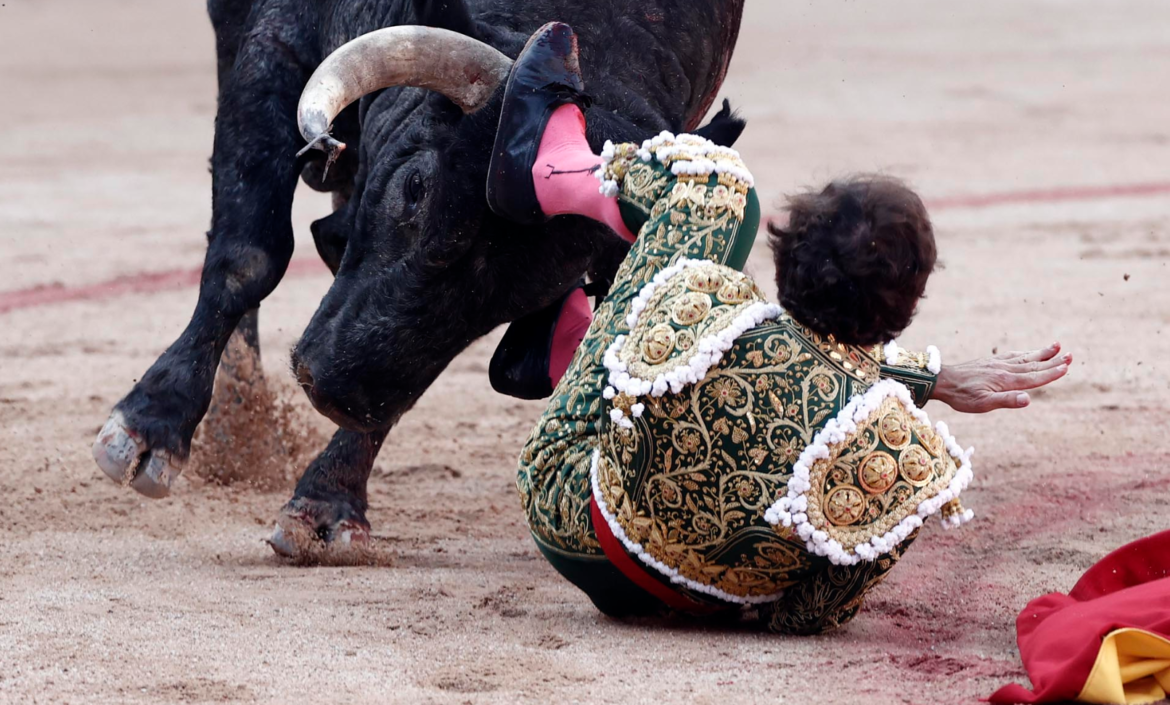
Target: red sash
(632,569)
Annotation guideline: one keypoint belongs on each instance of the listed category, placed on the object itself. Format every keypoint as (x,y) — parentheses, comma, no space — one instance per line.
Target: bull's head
(422,267)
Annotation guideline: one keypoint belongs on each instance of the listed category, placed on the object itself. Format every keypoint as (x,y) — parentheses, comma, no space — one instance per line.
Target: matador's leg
(565,178)
(536,350)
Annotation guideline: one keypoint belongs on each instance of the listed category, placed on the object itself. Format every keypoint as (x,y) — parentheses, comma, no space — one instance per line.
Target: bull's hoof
(125,457)
(313,531)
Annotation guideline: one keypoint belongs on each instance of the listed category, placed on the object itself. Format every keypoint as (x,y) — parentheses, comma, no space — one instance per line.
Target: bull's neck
(657,43)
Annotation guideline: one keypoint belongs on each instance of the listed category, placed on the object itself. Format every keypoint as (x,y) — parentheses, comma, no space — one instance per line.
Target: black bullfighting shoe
(545,76)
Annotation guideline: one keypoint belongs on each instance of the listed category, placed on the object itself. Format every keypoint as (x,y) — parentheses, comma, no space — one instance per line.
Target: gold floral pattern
(861,363)
(895,431)
(658,344)
(844,505)
(737,292)
(690,309)
(878,472)
(916,465)
(687,194)
(724,392)
(704,279)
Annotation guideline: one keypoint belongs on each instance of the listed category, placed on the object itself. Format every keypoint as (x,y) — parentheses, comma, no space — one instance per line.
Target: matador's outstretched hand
(1000,381)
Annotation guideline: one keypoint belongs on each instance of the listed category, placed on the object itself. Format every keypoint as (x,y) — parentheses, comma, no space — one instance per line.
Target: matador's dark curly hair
(854,258)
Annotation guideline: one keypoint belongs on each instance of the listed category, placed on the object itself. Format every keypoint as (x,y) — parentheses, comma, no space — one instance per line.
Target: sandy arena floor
(1038,130)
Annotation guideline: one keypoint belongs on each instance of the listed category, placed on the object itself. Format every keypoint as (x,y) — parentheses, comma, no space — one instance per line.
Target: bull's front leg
(148,436)
(327,513)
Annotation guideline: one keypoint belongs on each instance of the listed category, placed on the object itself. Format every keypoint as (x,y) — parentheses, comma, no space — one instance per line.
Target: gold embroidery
(844,505)
(623,402)
(895,431)
(952,508)
(553,477)
(700,468)
(690,309)
(696,315)
(828,598)
(863,366)
(692,480)
(704,279)
(736,292)
(659,343)
(864,459)
(915,465)
(932,441)
(878,472)
(625,156)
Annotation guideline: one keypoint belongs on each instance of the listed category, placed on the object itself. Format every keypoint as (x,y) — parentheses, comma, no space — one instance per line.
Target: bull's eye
(415,188)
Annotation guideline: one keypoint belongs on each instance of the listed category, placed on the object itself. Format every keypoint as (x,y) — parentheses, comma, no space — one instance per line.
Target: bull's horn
(465,70)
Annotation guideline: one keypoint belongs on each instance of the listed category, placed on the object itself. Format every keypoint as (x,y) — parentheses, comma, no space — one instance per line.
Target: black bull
(422,267)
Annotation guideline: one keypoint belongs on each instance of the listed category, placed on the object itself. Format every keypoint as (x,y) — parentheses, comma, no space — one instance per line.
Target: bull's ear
(331,234)
(453,15)
(725,127)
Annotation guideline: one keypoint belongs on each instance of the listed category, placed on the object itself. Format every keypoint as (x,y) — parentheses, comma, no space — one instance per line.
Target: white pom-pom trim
(708,351)
(609,188)
(635,549)
(892,351)
(790,510)
(933,356)
(694,155)
(934,360)
(687,154)
(954,522)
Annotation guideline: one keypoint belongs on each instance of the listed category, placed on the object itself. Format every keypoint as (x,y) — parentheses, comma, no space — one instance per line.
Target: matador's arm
(917,370)
(978,386)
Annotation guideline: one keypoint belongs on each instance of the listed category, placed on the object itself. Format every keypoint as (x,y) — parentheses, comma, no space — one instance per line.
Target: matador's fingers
(1031,355)
(1019,367)
(1032,380)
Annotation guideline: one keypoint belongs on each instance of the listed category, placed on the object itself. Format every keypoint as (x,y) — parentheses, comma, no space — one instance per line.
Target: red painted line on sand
(143,283)
(150,282)
(1053,195)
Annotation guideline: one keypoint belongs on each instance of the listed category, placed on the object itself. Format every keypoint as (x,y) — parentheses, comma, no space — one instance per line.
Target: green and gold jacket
(738,445)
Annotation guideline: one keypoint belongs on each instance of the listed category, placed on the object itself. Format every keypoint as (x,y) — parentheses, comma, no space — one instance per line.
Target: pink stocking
(563,173)
(570,331)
